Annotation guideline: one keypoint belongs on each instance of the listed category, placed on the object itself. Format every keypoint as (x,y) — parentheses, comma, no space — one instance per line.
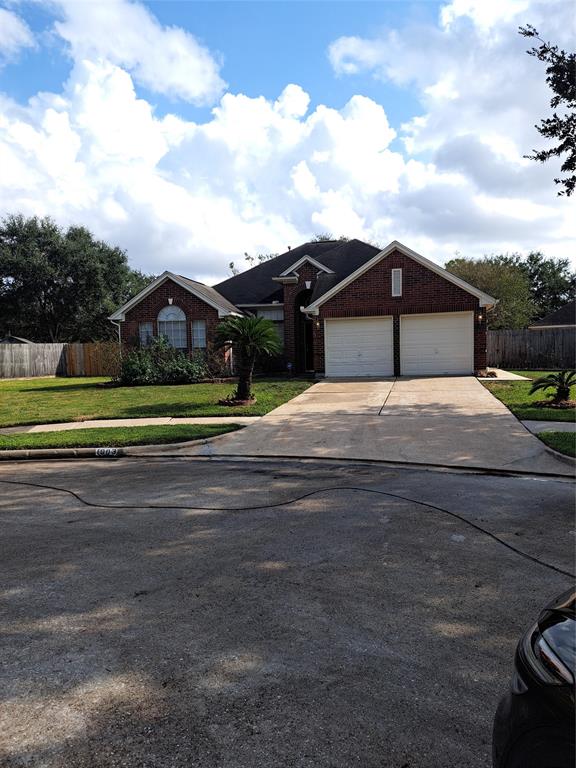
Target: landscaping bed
(53,400)
(516,396)
(114,436)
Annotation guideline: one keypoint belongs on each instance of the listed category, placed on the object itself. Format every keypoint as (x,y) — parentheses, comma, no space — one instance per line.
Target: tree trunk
(245,371)
(562,394)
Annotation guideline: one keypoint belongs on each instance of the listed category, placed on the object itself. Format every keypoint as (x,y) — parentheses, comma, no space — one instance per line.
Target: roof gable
(484,299)
(257,285)
(201,291)
(305,260)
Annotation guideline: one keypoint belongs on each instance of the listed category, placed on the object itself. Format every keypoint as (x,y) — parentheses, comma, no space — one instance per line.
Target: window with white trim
(396,282)
(276,315)
(146,333)
(172,325)
(198,334)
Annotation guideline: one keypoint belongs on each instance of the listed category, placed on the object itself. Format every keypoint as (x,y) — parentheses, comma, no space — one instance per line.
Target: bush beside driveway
(54,400)
(516,396)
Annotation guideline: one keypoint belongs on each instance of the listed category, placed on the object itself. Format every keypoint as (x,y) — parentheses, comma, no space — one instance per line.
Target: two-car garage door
(434,344)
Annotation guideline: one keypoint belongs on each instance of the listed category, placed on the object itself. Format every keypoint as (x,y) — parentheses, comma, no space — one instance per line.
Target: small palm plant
(561,382)
(250,338)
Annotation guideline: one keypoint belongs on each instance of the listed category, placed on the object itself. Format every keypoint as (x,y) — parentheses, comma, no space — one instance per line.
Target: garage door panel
(359,347)
(437,344)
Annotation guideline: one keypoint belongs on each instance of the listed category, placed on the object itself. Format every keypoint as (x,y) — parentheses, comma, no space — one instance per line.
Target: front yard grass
(563,442)
(115,436)
(515,395)
(49,401)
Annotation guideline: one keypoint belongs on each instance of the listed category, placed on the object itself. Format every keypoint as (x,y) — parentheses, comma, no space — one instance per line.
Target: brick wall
(307,272)
(423,291)
(147,311)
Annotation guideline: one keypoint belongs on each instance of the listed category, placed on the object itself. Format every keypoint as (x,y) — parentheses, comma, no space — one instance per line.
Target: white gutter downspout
(119,336)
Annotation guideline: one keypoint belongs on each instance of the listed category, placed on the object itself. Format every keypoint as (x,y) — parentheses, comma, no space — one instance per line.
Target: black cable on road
(294,500)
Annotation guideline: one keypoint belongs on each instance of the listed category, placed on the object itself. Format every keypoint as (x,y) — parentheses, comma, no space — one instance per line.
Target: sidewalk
(550,426)
(99,423)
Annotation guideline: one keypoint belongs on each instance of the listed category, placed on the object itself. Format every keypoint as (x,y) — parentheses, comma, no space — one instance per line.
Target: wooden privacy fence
(540,350)
(101,358)
(91,359)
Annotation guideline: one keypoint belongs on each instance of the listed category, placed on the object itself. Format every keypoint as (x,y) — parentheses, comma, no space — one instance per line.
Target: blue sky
(264,45)
(191,132)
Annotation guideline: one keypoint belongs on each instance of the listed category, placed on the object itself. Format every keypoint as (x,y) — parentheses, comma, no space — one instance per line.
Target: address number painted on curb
(106,452)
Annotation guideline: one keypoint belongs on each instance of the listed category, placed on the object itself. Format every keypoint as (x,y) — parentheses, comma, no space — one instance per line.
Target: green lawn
(47,401)
(564,442)
(515,394)
(115,436)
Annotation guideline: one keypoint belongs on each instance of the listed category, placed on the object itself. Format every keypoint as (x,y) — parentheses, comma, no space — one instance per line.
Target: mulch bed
(565,405)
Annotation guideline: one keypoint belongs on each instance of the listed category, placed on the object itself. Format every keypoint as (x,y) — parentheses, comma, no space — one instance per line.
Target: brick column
(396,340)
(318,338)
(480,361)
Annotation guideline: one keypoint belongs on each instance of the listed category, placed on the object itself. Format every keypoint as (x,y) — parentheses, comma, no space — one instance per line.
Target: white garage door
(442,343)
(359,347)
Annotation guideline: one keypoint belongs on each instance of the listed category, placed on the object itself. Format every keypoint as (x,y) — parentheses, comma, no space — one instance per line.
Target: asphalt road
(348,628)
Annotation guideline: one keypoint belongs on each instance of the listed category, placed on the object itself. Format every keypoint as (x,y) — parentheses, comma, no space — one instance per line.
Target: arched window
(172,325)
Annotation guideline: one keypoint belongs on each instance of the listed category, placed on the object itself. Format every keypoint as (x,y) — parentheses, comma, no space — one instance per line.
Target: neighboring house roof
(257,285)
(565,317)
(326,291)
(204,292)
(9,339)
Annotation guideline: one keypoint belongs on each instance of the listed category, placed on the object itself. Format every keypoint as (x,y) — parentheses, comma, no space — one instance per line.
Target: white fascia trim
(301,261)
(484,298)
(120,314)
(288,280)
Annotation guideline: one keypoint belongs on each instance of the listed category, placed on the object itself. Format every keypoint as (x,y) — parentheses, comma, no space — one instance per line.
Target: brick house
(341,309)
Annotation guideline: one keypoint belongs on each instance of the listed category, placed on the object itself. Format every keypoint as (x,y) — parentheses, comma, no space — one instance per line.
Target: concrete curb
(164,452)
(43,454)
(389,463)
(569,460)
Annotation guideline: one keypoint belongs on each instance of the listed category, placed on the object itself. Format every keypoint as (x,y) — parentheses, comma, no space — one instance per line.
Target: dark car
(534,723)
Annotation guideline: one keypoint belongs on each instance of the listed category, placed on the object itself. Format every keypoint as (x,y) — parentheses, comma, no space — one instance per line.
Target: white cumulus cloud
(15,35)
(260,174)
(167,60)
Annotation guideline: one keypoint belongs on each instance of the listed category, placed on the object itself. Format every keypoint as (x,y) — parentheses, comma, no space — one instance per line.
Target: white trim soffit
(301,261)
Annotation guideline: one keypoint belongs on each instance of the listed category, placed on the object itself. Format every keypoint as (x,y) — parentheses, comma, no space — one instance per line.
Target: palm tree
(250,338)
(561,382)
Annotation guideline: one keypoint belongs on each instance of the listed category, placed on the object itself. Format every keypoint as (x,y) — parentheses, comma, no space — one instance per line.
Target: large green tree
(504,279)
(561,127)
(528,288)
(60,284)
(552,282)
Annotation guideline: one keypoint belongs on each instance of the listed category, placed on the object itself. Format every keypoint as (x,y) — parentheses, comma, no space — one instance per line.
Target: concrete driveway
(170,628)
(453,421)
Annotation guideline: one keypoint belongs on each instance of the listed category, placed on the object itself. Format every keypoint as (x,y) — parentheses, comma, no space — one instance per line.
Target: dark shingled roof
(255,286)
(10,339)
(566,315)
(209,293)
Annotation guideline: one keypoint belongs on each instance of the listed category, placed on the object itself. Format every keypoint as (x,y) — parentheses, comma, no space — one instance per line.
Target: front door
(304,334)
